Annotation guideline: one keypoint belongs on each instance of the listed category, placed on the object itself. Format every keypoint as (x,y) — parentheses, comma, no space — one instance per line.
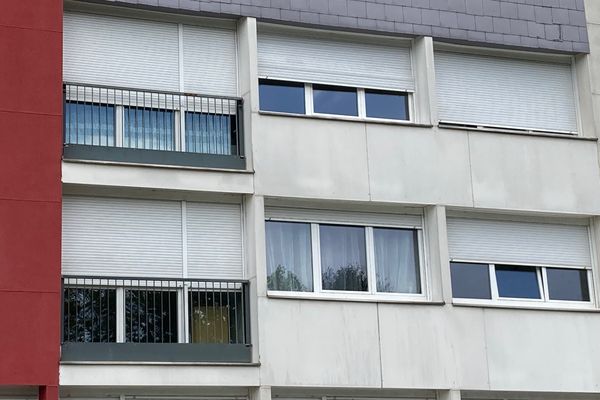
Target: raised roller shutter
(518,242)
(505,92)
(334,58)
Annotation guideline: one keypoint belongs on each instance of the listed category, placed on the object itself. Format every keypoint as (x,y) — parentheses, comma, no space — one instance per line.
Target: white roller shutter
(121,237)
(209,61)
(518,242)
(121,52)
(214,240)
(505,92)
(343,217)
(333,58)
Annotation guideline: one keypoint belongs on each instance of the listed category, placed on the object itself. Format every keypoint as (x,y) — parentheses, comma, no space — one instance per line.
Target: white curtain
(343,258)
(289,260)
(396,260)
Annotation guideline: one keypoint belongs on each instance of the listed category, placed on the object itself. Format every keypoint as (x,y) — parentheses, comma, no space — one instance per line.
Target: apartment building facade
(300,199)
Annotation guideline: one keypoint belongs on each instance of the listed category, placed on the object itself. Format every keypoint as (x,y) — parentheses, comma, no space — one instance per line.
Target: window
(516,262)
(89,124)
(516,282)
(386,104)
(151,316)
(279,96)
(331,258)
(289,257)
(89,315)
(335,100)
(346,101)
(209,133)
(149,129)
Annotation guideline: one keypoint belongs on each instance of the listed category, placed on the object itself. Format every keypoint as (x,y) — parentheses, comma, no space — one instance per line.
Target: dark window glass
(470,281)
(343,258)
(150,129)
(91,124)
(289,256)
(389,105)
(568,284)
(517,282)
(397,260)
(89,315)
(280,96)
(150,316)
(216,313)
(335,100)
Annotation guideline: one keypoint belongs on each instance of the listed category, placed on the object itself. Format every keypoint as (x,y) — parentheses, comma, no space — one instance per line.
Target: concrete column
(48,393)
(260,393)
(437,253)
(423,68)
(248,79)
(585,99)
(595,239)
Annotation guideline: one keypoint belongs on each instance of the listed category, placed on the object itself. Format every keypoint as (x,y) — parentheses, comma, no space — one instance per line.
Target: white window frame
(309,109)
(371,294)
(543,302)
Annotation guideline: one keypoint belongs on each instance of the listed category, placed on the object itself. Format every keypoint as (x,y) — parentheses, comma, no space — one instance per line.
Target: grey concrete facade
(551,25)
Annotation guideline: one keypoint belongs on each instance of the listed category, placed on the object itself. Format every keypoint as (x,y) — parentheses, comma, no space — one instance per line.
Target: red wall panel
(30,192)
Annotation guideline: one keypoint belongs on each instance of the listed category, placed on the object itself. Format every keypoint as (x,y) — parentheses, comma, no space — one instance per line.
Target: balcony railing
(140,126)
(145,319)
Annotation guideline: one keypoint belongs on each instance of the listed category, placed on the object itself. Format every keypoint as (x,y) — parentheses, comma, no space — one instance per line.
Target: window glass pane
(397,260)
(517,282)
(209,133)
(335,100)
(89,315)
(289,257)
(280,96)
(148,129)
(216,313)
(343,258)
(150,316)
(568,284)
(470,281)
(390,105)
(91,124)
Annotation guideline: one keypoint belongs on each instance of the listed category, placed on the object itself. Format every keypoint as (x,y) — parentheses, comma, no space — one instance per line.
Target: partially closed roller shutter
(505,92)
(121,237)
(214,240)
(121,52)
(518,242)
(209,61)
(145,238)
(333,58)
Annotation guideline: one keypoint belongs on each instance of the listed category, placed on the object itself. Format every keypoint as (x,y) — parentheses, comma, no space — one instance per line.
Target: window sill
(350,297)
(525,305)
(517,132)
(347,119)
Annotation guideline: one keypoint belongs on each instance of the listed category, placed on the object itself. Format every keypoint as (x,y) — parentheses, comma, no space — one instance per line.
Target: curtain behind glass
(148,129)
(90,124)
(343,258)
(289,261)
(396,260)
(208,133)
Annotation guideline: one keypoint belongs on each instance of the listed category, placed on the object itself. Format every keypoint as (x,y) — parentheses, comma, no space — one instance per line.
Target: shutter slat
(209,61)
(505,92)
(518,242)
(214,240)
(121,237)
(343,217)
(333,59)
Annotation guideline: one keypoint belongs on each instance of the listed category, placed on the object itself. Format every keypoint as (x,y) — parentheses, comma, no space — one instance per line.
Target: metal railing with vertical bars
(142,126)
(146,311)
